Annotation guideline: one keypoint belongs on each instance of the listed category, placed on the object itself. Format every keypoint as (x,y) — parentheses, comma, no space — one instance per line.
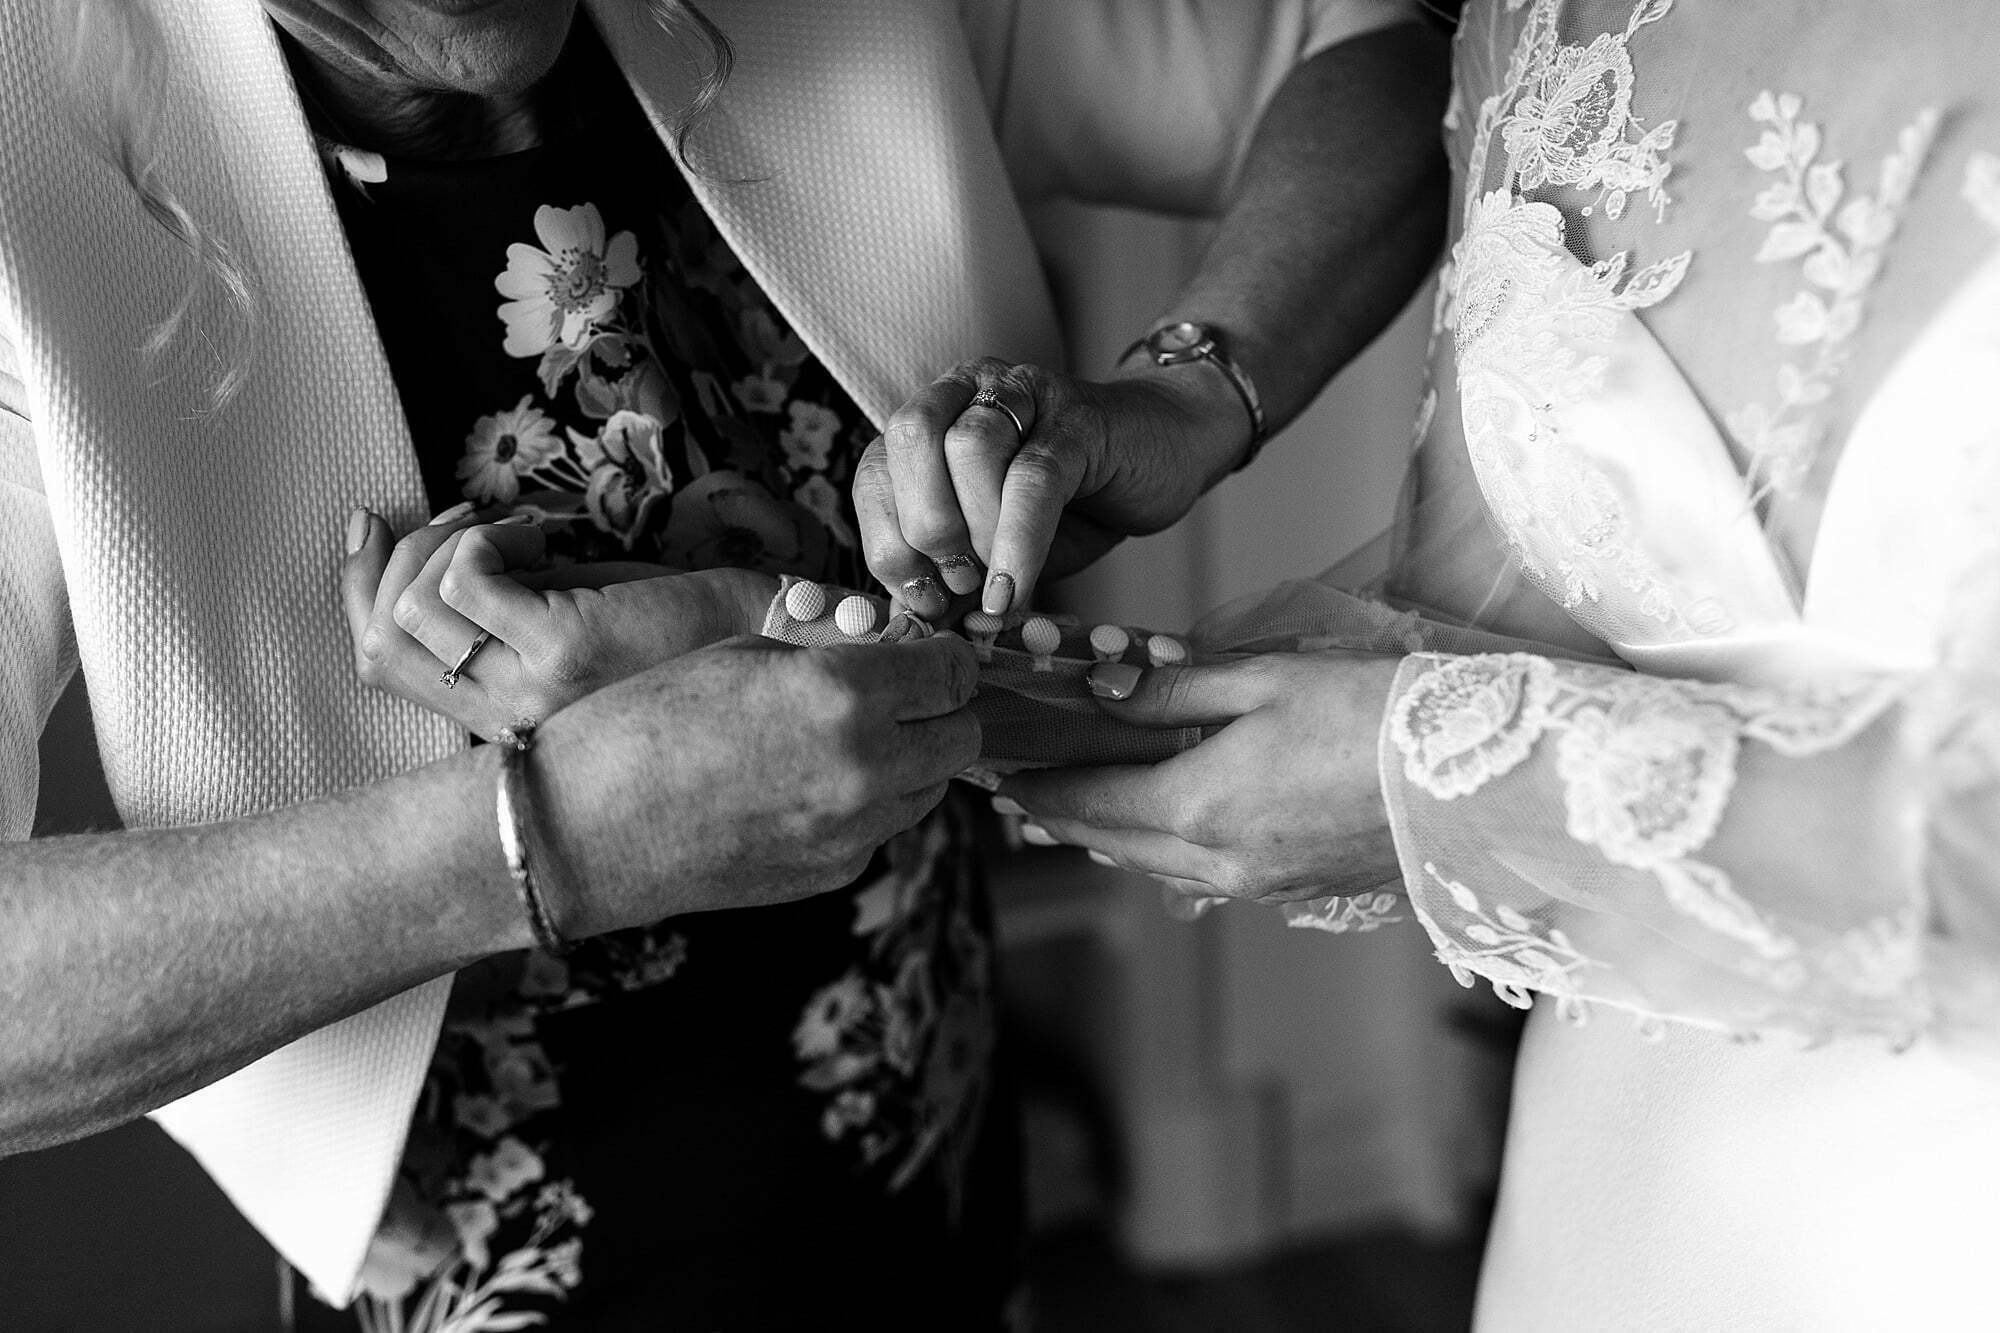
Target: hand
(415,605)
(1279,805)
(954,499)
(746,773)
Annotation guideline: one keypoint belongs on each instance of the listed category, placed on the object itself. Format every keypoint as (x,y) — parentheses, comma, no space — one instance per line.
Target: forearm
(136,967)
(1335,220)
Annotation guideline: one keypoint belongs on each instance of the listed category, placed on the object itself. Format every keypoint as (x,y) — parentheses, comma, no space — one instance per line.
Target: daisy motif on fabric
(558,292)
(503,446)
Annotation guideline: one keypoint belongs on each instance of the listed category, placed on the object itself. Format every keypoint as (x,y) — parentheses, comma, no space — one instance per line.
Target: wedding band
(988,398)
(450,678)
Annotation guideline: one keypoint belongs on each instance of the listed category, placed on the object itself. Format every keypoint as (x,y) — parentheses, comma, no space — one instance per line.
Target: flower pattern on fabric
(1471,720)
(655,406)
(562,291)
(1572,125)
(666,432)
(1531,337)
(478,1236)
(1840,243)
(1646,767)
(1508,950)
(899,1044)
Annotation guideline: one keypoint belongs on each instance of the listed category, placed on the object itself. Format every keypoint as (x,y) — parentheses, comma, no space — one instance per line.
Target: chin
(492,48)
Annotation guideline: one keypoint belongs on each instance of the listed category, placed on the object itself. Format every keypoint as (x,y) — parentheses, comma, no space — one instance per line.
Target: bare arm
(137,966)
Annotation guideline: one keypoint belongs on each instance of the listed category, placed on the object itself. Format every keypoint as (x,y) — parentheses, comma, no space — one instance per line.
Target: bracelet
(1187,342)
(514,805)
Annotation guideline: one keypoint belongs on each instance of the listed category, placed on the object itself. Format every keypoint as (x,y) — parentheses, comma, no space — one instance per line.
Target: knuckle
(455,587)
(910,430)
(1042,467)
(934,532)
(409,613)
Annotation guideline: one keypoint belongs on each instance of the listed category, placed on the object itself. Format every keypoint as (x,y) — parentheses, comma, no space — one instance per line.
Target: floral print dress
(774,1118)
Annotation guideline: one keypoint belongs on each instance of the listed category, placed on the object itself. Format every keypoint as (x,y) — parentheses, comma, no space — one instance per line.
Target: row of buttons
(1041,636)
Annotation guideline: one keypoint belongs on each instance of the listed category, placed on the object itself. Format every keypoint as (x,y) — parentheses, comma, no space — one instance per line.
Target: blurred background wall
(1205,1094)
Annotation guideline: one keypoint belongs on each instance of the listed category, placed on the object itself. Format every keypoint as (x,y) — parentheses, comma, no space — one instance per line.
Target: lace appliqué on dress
(1533,332)
(1646,767)
(1841,243)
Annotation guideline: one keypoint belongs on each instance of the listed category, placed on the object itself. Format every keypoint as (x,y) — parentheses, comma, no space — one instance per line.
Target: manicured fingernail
(452,515)
(1037,835)
(357,529)
(518,520)
(999,594)
(923,595)
(1113,680)
(903,626)
(1102,859)
(961,573)
(1004,806)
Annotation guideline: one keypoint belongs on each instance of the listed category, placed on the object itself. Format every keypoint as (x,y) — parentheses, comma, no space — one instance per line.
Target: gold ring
(988,398)
(450,678)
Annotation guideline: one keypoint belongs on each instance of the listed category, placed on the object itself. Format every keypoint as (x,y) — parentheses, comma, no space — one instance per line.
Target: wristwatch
(1188,341)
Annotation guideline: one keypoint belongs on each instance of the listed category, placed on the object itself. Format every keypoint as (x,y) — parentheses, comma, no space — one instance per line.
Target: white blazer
(187,557)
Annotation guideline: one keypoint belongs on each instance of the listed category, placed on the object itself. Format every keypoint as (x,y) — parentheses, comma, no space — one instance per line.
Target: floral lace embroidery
(1343,916)
(1568,115)
(1981,187)
(1573,123)
(1531,327)
(1646,765)
(1530,337)
(1841,245)
(1512,956)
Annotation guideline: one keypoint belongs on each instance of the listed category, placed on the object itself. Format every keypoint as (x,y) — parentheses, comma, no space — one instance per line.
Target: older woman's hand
(416,605)
(1281,804)
(997,474)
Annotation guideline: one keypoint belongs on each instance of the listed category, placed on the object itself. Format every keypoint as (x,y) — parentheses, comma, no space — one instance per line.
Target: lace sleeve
(1736,857)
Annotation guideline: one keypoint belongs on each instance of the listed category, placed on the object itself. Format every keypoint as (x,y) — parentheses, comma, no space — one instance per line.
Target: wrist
(1187,431)
(1206,355)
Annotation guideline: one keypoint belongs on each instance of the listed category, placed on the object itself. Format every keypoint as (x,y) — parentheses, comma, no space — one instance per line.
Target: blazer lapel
(851,164)
(201,546)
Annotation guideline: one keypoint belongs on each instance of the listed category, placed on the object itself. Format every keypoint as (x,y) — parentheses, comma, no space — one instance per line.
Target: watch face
(1181,337)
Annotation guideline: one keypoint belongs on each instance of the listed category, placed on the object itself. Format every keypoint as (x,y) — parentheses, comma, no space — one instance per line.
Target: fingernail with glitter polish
(961,573)
(1114,680)
(452,515)
(923,596)
(999,594)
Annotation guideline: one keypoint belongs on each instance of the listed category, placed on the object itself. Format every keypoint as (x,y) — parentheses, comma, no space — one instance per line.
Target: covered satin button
(855,616)
(1041,637)
(805,600)
(1109,642)
(982,628)
(1165,650)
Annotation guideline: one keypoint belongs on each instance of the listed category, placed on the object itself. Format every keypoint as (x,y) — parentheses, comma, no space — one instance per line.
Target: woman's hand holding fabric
(745,773)
(415,606)
(998,474)
(1280,804)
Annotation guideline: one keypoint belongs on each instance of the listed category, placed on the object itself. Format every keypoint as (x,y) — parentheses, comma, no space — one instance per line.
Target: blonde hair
(114,64)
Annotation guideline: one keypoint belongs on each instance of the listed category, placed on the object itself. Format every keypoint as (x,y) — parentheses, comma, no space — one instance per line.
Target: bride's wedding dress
(1717,351)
